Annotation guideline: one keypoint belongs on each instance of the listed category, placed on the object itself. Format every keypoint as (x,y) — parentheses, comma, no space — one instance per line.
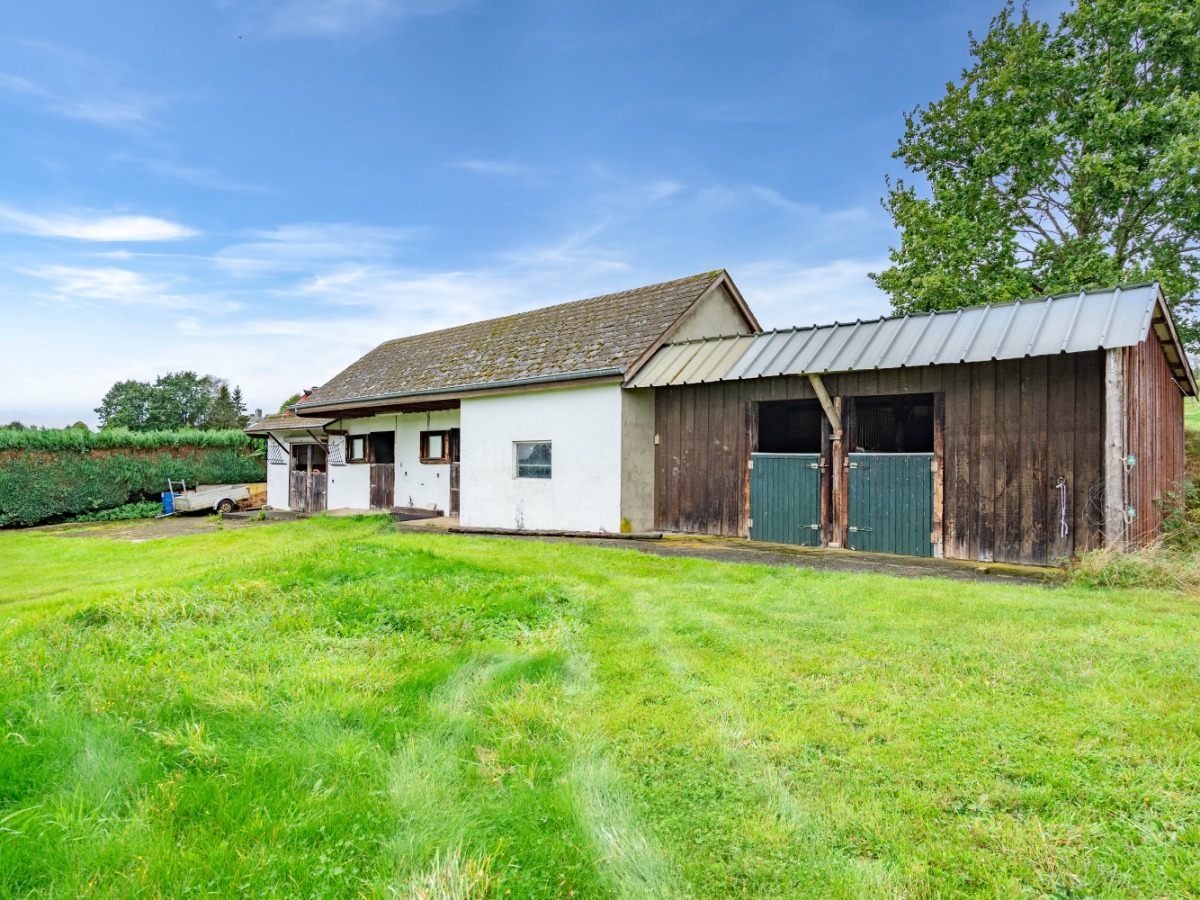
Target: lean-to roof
(1069,323)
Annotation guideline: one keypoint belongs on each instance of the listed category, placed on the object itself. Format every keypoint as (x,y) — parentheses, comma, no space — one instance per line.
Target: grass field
(331,709)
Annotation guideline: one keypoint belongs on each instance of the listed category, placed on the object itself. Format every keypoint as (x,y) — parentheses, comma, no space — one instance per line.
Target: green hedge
(120,438)
(41,485)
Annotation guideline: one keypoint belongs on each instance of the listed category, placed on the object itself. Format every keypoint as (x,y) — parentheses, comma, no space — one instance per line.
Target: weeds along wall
(46,476)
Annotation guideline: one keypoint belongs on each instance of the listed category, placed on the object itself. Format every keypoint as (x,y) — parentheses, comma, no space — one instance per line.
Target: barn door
(785,498)
(891,503)
(307,479)
(383,485)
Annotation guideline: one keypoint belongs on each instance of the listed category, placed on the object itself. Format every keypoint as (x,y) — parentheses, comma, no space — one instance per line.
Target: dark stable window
(896,424)
(356,448)
(435,446)
(383,447)
(310,457)
(532,459)
(789,426)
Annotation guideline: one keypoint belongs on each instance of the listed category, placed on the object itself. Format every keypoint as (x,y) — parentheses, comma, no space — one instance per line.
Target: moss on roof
(607,332)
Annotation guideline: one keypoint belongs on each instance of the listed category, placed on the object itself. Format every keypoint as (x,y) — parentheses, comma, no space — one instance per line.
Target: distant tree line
(172,402)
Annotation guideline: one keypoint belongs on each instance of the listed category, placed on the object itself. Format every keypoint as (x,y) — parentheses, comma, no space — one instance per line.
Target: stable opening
(383,447)
(902,423)
(308,457)
(789,426)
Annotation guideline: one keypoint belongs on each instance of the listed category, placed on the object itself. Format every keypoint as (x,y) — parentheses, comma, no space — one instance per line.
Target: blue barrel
(168,503)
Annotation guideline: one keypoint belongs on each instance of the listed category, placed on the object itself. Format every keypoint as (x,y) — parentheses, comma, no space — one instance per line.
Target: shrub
(53,476)
(119,438)
(1157,567)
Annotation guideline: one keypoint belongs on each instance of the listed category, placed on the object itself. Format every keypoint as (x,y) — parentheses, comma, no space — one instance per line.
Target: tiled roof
(603,335)
(285,423)
(1069,323)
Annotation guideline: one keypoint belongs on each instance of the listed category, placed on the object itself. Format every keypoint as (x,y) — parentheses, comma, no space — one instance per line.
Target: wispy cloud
(82,87)
(93,226)
(113,285)
(337,18)
(500,168)
(300,247)
(196,175)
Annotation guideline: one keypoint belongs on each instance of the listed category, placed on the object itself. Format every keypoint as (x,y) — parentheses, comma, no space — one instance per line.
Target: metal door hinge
(933,465)
(814,465)
(854,466)
(749,523)
(751,465)
(810,527)
(863,528)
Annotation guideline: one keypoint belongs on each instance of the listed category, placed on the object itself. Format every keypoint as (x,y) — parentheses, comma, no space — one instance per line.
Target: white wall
(637,459)
(417,484)
(277,482)
(584,490)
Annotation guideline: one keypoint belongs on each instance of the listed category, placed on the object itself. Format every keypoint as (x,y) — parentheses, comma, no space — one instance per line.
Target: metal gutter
(464,388)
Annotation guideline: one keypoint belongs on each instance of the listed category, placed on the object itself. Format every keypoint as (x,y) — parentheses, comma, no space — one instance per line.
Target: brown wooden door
(383,485)
(298,490)
(454,473)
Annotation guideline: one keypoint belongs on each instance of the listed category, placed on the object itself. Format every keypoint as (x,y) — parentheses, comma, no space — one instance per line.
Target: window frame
(366,444)
(517,461)
(425,458)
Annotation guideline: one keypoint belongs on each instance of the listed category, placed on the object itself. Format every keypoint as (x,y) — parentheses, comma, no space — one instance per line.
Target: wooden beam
(831,411)
(939,467)
(838,471)
(1114,449)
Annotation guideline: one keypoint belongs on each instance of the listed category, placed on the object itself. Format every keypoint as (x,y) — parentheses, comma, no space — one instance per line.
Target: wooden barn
(1019,432)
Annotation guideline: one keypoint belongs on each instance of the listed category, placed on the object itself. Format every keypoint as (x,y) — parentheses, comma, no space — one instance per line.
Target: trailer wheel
(225,506)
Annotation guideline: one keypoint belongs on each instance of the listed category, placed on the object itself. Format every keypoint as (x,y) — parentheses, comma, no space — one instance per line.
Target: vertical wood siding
(1154,410)
(1012,429)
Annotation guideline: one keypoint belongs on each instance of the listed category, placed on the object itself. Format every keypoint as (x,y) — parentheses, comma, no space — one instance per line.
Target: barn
(1020,432)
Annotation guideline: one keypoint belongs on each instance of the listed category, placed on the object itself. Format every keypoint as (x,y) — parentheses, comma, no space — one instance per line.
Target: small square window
(435,446)
(532,459)
(358,448)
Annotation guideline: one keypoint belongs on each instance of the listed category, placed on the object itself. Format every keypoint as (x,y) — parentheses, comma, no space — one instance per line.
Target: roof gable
(597,337)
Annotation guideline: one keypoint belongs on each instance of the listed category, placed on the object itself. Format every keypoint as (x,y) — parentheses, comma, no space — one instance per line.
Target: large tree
(1067,157)
(175,400)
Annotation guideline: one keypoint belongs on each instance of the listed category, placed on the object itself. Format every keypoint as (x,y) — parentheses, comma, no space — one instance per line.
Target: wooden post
(939,466)
(1114,449)
(838,472)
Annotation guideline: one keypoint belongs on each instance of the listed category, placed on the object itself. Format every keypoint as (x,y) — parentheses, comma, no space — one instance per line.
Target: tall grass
(119,438)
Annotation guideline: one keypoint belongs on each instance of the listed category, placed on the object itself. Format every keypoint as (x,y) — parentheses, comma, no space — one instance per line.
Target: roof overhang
(450,397)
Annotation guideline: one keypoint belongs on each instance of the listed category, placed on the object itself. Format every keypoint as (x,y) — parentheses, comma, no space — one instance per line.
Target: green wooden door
(891,503)
(785,498)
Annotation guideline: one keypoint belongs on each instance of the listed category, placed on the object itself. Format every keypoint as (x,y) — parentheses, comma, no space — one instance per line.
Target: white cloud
(336,18)
(501,168)
(783,294)
(113,285)
(93,226)
(300,247)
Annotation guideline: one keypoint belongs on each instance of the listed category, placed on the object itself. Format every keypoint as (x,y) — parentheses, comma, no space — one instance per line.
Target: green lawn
(332,709)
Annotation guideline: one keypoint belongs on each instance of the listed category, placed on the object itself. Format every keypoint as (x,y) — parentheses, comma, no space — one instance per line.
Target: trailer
(220,498)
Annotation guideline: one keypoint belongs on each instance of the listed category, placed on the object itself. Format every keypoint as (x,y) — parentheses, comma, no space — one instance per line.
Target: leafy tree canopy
(174,401)
(1067,157)
(295,398)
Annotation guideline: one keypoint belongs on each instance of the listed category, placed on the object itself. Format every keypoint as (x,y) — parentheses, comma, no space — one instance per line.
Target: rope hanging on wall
(1064,529)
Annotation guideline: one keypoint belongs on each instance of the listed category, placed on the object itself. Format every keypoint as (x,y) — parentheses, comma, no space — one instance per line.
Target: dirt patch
(138,530)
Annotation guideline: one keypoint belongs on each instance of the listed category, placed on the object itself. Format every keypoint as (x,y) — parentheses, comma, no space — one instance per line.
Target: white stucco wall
(584,490)
(717,315)
(417,483)
(637,458)
(277,483)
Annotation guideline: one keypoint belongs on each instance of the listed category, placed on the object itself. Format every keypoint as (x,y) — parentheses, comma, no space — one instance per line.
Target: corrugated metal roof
(1069,323)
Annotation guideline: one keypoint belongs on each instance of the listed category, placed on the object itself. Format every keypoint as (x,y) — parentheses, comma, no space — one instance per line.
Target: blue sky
(264,190)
